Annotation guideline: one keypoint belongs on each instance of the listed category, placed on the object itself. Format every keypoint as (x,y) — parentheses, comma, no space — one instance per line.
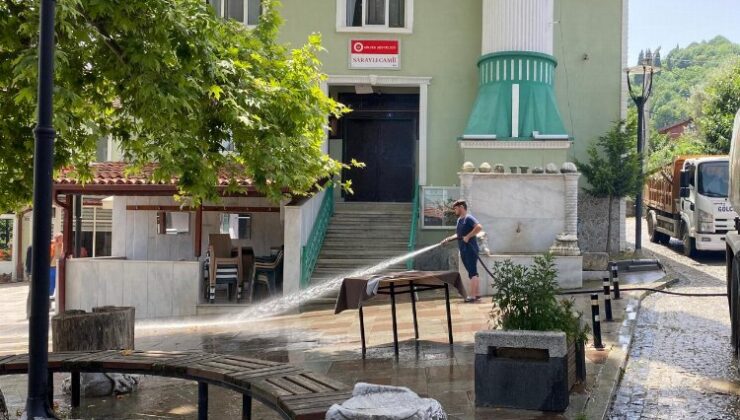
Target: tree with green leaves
(663,149)
(613,168)
(684,75)
(718,106)
(173,84)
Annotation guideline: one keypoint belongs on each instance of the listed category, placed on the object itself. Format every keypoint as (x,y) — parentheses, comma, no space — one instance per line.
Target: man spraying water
(467,228)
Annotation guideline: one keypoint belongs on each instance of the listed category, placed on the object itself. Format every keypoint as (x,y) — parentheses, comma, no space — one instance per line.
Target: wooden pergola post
(198,237)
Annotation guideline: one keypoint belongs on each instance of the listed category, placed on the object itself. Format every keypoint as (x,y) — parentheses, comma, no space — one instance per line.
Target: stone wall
(592,224)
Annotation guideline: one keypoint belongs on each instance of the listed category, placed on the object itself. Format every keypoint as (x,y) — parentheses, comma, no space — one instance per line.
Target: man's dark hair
(460,203)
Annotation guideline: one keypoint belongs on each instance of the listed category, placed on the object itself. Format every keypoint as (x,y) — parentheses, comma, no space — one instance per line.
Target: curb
(610,375)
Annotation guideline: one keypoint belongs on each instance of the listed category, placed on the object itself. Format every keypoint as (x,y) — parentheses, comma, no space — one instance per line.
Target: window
(246,11)
(175,223)
(436,206)
(237,225)
(713,178)
(374,15)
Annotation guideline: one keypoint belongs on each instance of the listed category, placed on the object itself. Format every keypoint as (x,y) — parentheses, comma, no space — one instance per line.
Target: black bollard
(595,320)
(607,300)
(614,274)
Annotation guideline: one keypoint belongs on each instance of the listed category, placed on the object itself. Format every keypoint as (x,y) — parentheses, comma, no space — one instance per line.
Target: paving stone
(681,345)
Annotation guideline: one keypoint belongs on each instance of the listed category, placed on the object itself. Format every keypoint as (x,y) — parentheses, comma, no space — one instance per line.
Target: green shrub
(525,298)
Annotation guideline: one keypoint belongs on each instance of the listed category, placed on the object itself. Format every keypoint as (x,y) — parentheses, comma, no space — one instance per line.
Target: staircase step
(359,253)
(360,235)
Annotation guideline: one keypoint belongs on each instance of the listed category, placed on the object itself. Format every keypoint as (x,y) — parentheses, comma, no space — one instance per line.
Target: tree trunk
(609,225)
(105,328)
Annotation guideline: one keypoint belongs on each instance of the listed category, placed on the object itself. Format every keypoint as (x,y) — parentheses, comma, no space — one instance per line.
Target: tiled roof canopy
(114,173)
(110,178)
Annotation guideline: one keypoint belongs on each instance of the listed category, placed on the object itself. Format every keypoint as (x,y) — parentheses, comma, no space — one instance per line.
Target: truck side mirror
(685,179)
(684,192)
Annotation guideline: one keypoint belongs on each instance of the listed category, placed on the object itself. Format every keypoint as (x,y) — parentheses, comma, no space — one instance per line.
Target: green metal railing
(414,225)
(310,252)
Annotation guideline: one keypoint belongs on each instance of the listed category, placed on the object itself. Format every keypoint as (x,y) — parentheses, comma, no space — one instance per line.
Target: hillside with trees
(701,82)
(684,73)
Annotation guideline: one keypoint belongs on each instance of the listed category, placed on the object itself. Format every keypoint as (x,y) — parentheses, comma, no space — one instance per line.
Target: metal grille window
(97,231)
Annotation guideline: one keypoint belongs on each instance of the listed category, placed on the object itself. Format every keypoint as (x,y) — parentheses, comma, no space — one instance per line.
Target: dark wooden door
(386,146)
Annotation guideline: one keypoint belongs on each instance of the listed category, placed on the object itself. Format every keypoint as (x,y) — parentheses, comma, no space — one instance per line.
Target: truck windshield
(713,179)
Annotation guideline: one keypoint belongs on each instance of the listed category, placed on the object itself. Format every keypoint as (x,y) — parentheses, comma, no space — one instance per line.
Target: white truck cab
(704,203)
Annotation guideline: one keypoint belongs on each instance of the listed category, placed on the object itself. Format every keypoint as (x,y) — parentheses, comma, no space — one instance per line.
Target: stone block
(521,369)
(570,271)
(593,215)
(553,341)
(595,261)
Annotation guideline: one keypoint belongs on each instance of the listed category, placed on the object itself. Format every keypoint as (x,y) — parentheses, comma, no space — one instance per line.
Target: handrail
(310,252)
(414,225)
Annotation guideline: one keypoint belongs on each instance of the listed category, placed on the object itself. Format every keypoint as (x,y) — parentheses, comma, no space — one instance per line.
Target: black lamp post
(37,404)
(645,69)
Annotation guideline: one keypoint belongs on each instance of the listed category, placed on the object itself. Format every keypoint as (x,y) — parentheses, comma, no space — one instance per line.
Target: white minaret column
(518,25)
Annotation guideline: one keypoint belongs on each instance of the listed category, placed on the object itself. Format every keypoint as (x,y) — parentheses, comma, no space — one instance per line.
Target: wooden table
(354,292)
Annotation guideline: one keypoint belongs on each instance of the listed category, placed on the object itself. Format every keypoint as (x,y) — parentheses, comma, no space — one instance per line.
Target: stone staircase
(360,235)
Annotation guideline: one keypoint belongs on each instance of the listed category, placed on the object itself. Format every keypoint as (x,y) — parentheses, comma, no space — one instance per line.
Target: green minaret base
(530,77)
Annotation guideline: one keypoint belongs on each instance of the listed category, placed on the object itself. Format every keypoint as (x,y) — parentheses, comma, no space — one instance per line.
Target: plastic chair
(225,265)
(266,270)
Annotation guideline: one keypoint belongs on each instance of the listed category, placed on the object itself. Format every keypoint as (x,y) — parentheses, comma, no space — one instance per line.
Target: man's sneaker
(470,299)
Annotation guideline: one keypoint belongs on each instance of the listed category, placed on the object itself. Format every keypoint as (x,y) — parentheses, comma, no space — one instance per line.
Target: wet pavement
(319,341)
(681,364)
(329,344)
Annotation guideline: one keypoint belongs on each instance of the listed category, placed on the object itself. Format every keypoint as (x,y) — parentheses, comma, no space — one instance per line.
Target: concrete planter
(531,370)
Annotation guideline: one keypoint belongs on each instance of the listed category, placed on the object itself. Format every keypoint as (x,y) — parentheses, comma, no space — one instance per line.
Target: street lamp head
(642,69)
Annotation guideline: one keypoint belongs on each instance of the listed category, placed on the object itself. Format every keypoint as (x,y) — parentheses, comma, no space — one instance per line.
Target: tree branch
(107,39)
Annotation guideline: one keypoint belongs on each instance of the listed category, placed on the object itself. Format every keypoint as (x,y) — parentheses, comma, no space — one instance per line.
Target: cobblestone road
(681,364)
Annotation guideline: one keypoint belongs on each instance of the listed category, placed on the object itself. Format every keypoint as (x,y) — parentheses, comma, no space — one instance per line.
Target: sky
(654,23)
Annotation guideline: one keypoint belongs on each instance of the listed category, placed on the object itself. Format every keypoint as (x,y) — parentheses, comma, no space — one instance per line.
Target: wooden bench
(292,392)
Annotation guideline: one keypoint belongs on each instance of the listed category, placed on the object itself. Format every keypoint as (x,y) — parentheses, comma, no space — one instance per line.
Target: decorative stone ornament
(468,167)
(551,168)
(569,168)
(513,169)
(386,402)
(524,169)
(538,170)
(485,168)
(499,168)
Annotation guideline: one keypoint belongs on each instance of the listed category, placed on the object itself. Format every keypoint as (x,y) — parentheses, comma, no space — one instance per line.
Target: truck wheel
(689,247)
(654,235)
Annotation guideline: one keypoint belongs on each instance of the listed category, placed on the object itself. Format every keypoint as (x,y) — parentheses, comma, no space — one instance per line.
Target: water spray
(280,305)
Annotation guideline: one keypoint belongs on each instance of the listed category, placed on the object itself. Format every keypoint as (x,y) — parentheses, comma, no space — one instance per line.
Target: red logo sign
(375,47)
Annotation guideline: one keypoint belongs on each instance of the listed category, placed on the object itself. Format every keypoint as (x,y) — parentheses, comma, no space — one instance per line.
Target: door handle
(692,206)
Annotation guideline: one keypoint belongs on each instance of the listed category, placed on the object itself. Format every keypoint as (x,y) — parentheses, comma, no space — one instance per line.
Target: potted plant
(535,353)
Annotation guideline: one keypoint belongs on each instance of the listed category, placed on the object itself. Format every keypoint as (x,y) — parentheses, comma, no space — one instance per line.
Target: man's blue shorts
(469,257)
